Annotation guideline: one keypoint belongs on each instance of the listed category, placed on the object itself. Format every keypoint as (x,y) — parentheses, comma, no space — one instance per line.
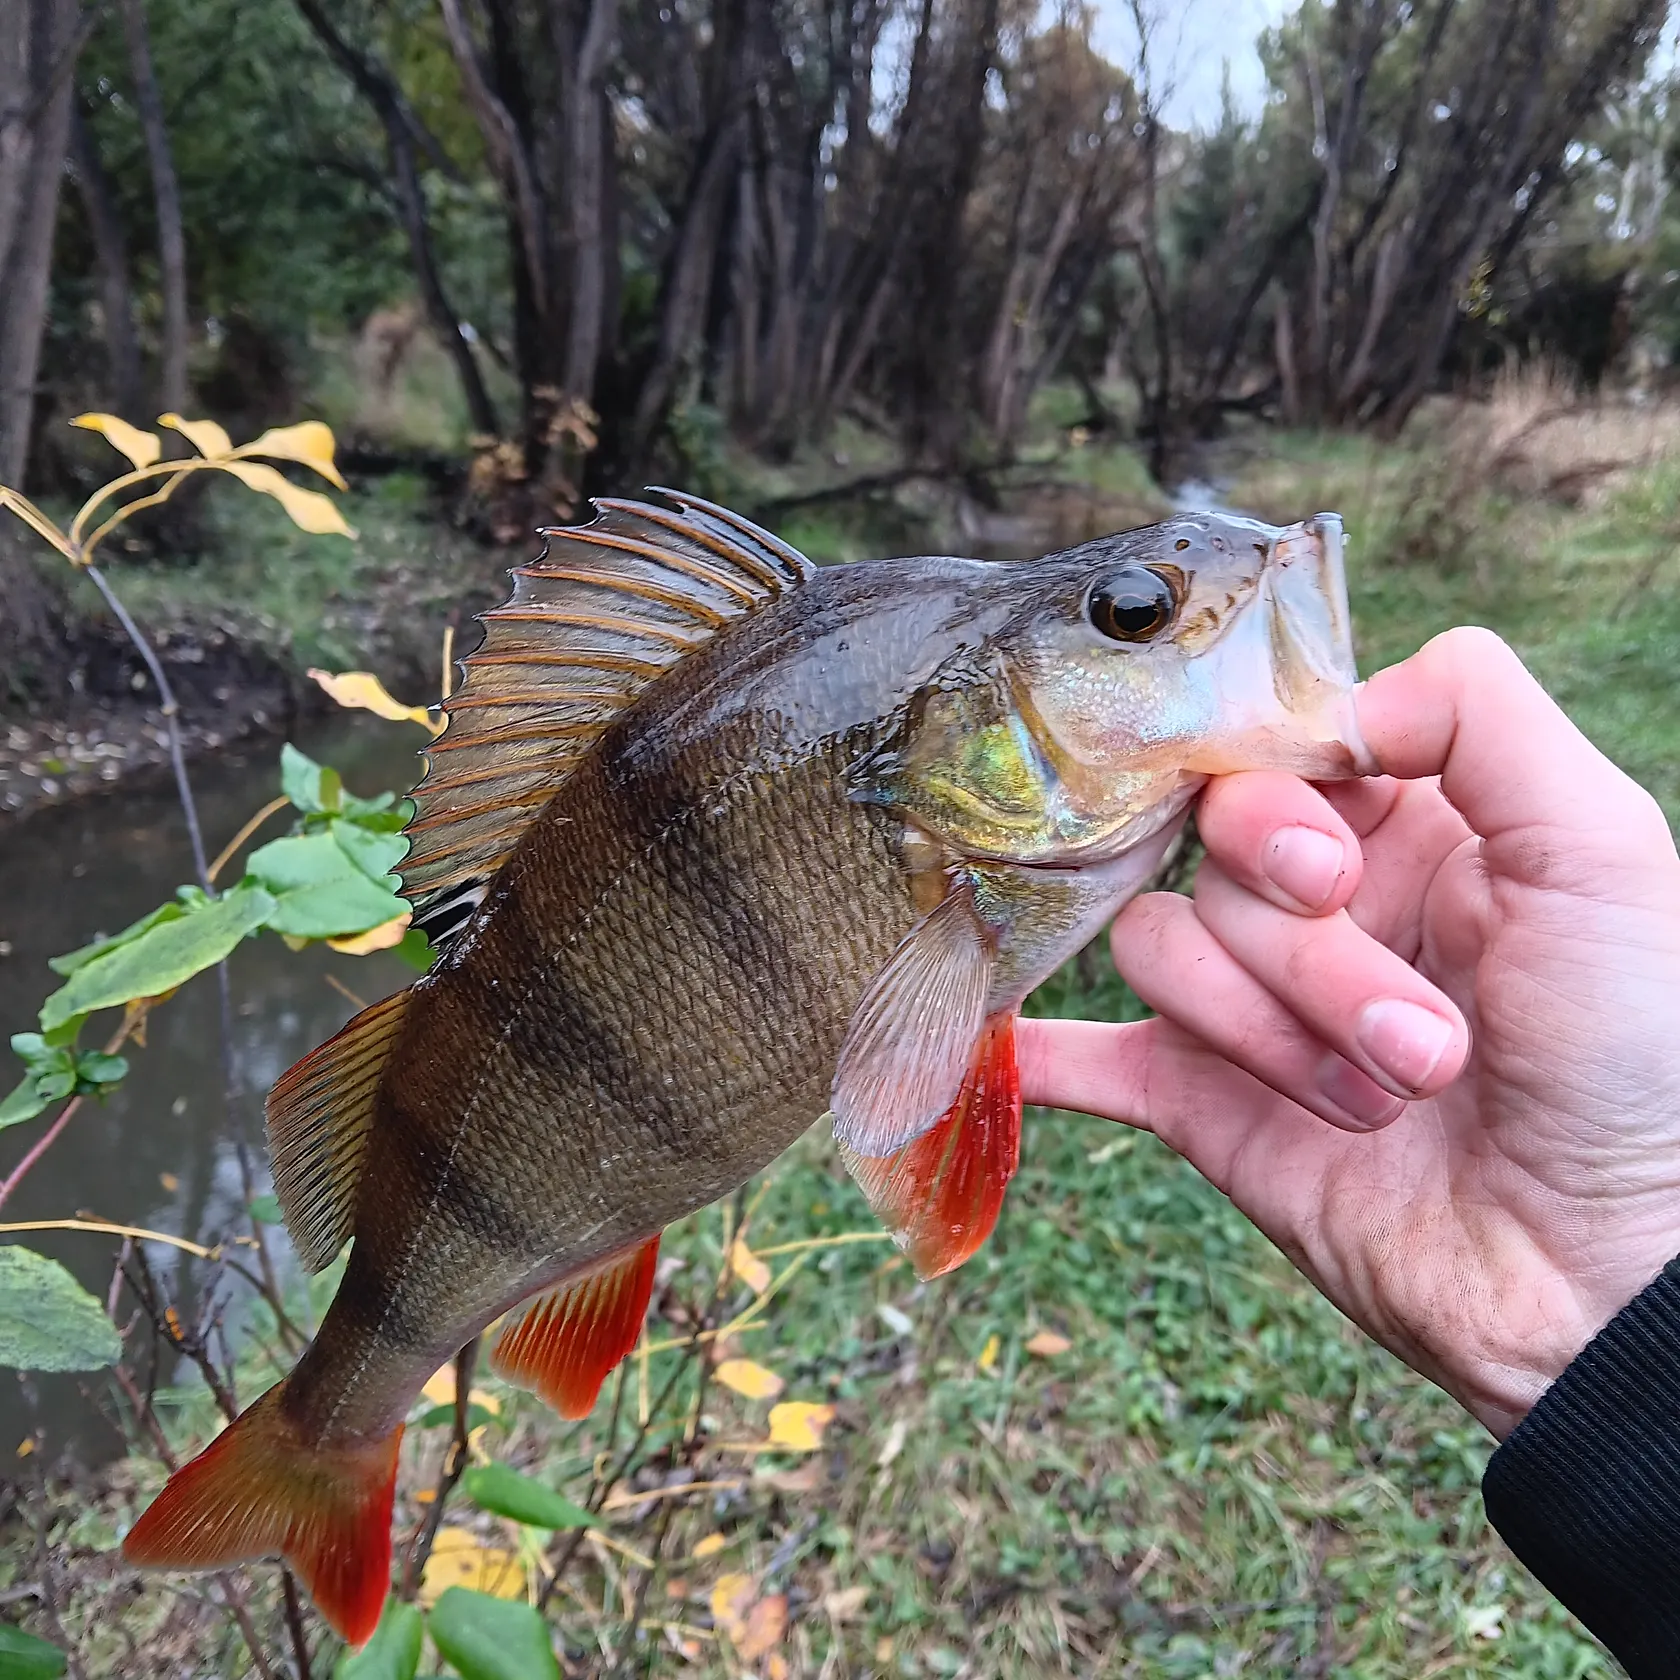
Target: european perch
(717,841)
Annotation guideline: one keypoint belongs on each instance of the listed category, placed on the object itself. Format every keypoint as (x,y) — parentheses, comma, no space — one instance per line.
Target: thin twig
(249,828)
(454,1466)
(294,1623)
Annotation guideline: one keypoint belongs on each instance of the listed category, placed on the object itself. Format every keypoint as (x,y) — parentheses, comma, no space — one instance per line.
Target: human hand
(1444,1075)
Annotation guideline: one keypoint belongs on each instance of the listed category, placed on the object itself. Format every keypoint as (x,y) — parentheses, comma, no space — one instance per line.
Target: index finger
(1551,809)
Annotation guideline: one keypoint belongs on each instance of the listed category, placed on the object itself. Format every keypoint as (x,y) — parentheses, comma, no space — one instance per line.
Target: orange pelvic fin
(562,1343)
(940,1194)
(258,1490)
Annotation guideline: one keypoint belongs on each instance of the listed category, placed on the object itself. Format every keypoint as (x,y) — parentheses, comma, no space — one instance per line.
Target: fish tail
(259,1489)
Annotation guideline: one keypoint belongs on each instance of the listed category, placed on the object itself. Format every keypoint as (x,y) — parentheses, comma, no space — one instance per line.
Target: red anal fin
(259,1490)
(940,1195)
(564,1342)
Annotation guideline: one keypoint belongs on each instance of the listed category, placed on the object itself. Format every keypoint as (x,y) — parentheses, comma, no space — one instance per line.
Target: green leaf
(164,956)
(485,1638)
(394,1651)
(524,1499)
(79,958)
(24,1657)
(24,1103)
(415,949)
(376,855)
(94,1067)
(445,1413)
(311,787)
(28,1045)
(48,1322)
(268,1210)
(319,892)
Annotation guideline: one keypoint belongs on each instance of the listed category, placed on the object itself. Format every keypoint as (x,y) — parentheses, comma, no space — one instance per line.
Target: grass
(1218,1476)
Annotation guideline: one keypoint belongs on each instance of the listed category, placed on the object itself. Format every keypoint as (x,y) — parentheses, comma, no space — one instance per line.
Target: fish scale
(748,841)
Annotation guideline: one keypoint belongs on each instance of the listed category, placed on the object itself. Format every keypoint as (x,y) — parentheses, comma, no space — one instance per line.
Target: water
(161,1153)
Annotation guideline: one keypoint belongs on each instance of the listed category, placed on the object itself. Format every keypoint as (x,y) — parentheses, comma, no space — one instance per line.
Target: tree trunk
(38,46)
(172,244)
(116,289)
(380,89)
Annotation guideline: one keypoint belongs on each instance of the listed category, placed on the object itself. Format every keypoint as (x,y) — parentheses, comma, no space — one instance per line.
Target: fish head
(1125,672)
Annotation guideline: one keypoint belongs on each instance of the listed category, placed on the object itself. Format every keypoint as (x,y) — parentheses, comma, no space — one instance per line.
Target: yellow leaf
(1047,1344)
(988,1354)
(798,1425)
(478,1397)
(730,1599)
(142,448)
(440,1385)
(170,1182)
(381,938)
(363,691)
(204,435)
(712,1543)
(309,510)
(748,1267)
(460,1559)
(747,1377)
(766,1623)
(310,444)
(844,1605)
(776,1668)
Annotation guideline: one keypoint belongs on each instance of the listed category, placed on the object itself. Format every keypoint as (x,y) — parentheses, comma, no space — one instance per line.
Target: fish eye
(1134,605)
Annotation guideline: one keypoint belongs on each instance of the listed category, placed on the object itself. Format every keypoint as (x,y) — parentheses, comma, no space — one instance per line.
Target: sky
(1193,41)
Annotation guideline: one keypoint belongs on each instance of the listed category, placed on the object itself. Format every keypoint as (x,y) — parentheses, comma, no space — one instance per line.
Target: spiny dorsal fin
(320,1115)
(608,608)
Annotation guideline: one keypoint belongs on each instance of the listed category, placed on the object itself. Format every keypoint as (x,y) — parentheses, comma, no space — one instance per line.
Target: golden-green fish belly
(649,1014)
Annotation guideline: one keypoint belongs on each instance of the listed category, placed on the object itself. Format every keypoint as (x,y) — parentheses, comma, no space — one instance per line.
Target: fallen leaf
(844,1605)
(713,1543)
(424,1496)
(677,1587)
(894,1443)
(440,1385)
(731,1597)
(1047,1344)
(747,1377)
(766,1623)
(883,1651)
(748,1267)
(363,691)
(798,1425)
(380,938)
(988,1354)
(806,1479)
(170,1182)
(460,1559)
(776,1668)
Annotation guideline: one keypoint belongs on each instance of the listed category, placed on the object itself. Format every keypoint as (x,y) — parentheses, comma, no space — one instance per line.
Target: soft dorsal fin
(320,1115)
(606,609)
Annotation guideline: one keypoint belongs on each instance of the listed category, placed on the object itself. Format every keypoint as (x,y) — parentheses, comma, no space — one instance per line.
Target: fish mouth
(1299,630)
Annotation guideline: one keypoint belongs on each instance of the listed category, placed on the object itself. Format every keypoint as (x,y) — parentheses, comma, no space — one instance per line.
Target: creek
(160,1152)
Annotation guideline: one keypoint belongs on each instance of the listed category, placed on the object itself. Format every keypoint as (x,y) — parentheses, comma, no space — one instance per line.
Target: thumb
(1551,809)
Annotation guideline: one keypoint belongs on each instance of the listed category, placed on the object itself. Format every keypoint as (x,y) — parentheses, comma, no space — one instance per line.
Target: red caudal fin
(259,1491)
(940,1194)
(562,1344)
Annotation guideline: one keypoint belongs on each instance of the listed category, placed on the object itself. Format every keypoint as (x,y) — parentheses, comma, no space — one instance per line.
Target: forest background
(890,276)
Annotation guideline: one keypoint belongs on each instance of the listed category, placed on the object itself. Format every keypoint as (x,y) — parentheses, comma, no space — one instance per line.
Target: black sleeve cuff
(1587,1489)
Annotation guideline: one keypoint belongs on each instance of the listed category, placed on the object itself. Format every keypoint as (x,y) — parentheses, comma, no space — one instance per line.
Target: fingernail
(1305,863)
(1405,1040)
(1365,1103)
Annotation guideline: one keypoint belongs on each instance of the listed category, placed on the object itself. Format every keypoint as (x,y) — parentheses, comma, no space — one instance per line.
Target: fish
(715,843)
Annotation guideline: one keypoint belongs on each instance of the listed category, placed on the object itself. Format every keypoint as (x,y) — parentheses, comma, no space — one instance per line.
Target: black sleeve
(1587,1489)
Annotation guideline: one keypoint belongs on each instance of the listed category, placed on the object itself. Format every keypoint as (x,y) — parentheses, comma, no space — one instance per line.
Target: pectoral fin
(563,1343)
(940,1195)
(911,1040)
